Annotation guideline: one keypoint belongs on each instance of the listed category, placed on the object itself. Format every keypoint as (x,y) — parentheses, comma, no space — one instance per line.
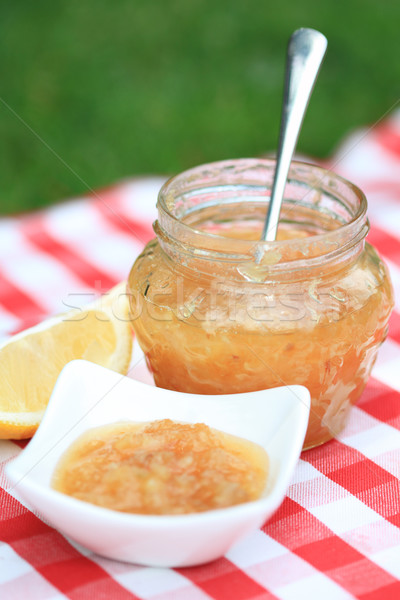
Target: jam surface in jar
(161,468)
(215,313)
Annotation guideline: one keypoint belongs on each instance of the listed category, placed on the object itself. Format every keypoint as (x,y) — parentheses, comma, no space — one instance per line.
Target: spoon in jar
(306,51)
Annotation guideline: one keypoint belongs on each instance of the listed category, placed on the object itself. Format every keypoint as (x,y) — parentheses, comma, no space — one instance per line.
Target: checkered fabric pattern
(336,535)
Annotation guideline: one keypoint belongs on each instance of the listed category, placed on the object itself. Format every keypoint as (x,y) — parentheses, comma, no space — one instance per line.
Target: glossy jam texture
(207,334)
(162,468)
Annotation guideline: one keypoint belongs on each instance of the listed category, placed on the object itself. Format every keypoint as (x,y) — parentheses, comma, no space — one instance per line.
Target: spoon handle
(305,54)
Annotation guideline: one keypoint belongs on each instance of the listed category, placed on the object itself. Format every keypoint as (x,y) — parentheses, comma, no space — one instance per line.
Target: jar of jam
(217,311)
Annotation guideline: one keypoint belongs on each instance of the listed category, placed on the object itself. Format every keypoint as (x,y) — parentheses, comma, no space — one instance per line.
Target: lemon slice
(31,361)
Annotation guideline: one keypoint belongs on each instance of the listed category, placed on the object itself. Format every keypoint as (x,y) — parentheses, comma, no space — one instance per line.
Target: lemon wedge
(31,361)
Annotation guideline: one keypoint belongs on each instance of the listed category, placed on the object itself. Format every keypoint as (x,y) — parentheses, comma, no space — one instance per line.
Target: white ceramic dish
(87,395)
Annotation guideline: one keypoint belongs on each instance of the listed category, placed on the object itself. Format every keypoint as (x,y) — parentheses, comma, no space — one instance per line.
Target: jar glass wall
(216,311)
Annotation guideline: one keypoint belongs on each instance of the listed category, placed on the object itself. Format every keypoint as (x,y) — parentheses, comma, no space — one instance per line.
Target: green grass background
(156,86)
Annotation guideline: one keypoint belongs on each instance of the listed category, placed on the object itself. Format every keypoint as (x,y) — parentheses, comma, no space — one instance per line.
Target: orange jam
(216,311)
(161,468)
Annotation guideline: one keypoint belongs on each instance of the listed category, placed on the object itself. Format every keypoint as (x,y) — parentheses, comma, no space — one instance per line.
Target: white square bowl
(87,395)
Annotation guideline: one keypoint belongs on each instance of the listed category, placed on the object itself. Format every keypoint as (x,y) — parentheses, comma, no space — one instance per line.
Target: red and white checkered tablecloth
(336,535)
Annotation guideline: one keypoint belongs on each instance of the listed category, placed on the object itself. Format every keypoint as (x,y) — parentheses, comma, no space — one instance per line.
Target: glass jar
(216,311)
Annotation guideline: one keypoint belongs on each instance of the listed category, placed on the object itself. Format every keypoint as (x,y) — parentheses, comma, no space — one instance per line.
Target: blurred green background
(157,86)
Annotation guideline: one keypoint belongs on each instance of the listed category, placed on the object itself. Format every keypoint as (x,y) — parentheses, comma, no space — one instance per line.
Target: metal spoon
(305,54)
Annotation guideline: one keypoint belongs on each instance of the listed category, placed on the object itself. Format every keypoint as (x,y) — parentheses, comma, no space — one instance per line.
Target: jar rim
(314,178)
